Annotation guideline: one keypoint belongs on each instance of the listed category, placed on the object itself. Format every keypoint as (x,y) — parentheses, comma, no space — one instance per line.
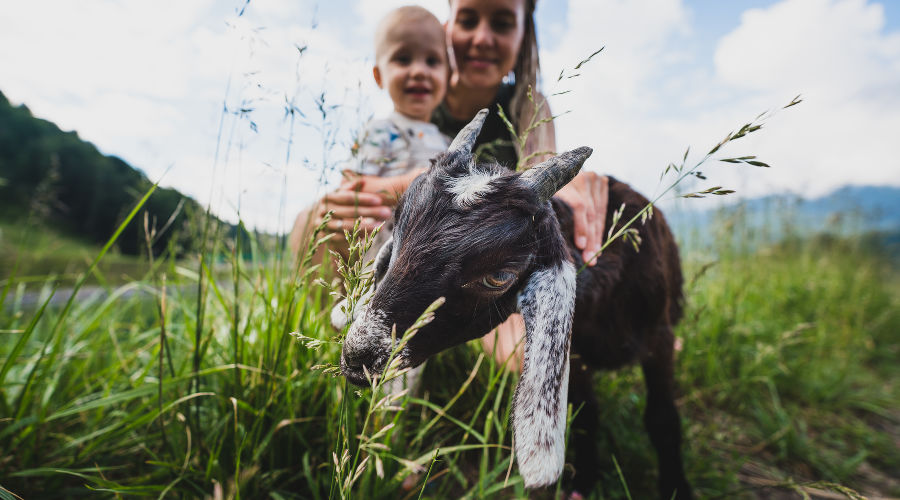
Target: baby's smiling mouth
(417,90)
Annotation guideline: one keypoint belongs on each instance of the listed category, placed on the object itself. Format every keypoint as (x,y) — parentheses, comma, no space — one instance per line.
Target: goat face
(486,240)
(474,256)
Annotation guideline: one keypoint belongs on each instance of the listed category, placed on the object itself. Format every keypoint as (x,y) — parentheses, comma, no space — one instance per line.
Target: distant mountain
(878,207)
(67,182)
(848,210)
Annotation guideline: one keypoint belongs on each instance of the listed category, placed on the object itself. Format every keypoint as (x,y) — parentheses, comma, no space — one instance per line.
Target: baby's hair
(408,14)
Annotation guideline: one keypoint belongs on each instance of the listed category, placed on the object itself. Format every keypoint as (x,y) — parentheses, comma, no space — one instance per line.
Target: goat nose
(350,361)
(353,371)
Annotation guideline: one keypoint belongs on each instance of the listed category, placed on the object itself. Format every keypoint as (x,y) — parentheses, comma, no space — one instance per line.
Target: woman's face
(486,36)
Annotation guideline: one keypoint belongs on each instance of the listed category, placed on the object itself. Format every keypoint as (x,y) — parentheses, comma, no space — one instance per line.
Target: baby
(411,64)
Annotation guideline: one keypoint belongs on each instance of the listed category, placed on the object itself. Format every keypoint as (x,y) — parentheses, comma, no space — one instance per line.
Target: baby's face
(413,68)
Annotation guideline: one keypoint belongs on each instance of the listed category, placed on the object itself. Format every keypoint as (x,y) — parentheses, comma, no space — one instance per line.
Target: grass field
(31,251)
(788,376)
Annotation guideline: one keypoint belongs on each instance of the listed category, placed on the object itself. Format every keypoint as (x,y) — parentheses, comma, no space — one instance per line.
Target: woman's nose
(483,36)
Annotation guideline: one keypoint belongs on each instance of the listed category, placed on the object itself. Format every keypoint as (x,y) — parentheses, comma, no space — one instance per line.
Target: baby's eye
(433,61)
(403,59)
(497,280)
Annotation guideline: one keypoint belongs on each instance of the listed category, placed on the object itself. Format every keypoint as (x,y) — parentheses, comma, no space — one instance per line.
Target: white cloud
(372,11)
(833,47)
(644,99)
(617,102)
(146,81)
(838,55)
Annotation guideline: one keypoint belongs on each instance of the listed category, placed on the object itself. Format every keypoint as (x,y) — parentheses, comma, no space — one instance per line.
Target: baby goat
(494,242)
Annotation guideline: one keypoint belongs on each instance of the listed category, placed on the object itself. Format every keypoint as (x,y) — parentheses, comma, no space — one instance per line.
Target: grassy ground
(788,378)
(32,251)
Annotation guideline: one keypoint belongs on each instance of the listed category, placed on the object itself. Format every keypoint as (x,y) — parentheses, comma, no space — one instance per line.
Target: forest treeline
(66,182)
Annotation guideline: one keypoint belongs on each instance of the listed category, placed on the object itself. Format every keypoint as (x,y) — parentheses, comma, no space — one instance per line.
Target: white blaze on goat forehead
(471,187)
(547,303)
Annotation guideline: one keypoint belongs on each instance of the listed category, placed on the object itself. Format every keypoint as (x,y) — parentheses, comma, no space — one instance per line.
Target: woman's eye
(467,22)
(497,280)
(503,25)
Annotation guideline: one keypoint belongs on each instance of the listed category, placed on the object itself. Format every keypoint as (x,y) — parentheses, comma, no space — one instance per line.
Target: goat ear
(465,139)
(547,177)
(539,408)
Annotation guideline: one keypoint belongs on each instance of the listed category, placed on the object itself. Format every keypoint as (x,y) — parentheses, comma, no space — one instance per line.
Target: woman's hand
(348,203)
(587,194)
(351,201)
(366,196)
(369,197)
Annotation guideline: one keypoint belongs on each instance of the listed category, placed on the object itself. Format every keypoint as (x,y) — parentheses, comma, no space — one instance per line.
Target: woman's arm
(347,203)
(361,193)
(389,188)
(367,196)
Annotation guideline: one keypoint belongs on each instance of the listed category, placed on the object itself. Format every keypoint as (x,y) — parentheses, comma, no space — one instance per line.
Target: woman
(490,40)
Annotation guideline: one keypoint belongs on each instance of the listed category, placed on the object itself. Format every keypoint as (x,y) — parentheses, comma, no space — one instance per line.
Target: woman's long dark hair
(526,70)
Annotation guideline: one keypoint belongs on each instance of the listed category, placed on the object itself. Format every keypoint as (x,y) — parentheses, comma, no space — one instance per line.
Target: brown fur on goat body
(622,299)
(626,307)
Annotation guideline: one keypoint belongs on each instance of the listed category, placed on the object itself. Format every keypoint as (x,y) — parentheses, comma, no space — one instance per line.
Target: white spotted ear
(539,407)
(340,317)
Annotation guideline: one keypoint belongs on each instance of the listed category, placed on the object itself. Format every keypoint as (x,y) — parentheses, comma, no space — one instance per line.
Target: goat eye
(497,280)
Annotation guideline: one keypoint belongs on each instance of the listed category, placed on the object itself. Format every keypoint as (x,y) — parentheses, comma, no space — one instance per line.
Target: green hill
(55,178)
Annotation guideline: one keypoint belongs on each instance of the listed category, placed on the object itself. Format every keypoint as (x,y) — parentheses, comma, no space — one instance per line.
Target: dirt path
(31,299)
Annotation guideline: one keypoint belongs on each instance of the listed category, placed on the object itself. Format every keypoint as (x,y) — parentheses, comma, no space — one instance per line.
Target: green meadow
(180,378)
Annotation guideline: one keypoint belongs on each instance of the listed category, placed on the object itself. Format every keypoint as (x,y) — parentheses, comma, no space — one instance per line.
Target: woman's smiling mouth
(480,62)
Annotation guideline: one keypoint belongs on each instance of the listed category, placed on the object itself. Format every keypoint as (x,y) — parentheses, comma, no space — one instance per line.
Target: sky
(252,106)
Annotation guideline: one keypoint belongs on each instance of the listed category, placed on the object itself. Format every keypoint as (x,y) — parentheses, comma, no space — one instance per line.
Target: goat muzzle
(354,372)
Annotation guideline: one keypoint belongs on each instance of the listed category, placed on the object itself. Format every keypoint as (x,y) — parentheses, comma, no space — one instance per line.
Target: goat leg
(583,433)
(661,417)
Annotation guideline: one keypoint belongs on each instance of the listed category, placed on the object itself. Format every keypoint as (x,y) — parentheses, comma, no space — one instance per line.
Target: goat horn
(547,177)
(465,140)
